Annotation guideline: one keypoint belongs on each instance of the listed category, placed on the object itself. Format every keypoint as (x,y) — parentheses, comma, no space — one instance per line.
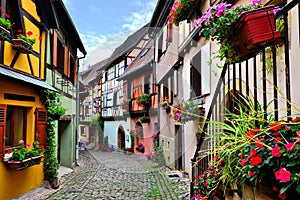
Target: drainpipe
(77,111)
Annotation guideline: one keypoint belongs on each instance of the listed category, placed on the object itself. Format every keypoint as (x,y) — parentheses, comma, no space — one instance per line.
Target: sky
(104,25)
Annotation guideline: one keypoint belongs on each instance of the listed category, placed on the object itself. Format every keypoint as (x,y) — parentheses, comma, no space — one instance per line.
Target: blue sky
(104,25)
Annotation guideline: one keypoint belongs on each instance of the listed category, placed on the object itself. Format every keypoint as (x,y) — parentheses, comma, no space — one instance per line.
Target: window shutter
(54,49)
(2,129)
(205,69)
(41,125)
(66,62)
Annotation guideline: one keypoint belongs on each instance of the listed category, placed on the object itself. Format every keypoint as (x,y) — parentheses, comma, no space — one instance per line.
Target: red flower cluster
(274,150)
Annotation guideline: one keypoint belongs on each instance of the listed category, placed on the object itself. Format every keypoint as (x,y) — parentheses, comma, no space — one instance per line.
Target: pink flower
(290,146)
(276,152)
(243,162)
(21,141)
(28,145)
(283,175)
(255,2)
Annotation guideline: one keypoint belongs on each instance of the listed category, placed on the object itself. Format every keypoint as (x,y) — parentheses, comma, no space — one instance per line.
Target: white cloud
(100,47)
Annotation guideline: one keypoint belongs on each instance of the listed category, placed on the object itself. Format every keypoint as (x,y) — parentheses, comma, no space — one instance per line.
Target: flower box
(254,30)
(22,46)
(20,165)
(4,33)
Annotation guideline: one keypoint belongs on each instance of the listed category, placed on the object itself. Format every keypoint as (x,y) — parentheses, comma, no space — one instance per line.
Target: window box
(4,33)
(254,30)
(22,46)
(20,165)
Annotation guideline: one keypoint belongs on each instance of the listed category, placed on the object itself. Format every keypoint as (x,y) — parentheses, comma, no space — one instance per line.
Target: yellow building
(23,72)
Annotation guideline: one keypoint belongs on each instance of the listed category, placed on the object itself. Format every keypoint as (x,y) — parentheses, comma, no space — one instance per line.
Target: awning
(27,79)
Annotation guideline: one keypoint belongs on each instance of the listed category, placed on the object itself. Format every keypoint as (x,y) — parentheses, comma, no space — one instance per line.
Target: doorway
(121,138)
(178,147)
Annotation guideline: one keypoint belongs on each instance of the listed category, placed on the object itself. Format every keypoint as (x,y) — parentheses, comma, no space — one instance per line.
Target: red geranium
(276,152)
(256,160)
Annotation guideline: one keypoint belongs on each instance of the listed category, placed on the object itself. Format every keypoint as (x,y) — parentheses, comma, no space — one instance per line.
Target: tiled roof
(144,58)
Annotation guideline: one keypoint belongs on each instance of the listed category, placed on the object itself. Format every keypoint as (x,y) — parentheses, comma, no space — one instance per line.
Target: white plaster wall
(111,130)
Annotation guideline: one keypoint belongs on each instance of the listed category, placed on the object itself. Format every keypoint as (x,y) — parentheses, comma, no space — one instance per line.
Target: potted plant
(23,157)
(144,119)
(54,105)
(140,148)
(240,30)
(180,10)
(23,42)
(166,105)
(190,111)
(143,100)
(5,25)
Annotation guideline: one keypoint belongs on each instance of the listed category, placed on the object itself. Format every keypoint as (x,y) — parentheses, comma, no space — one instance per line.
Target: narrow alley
(121,176)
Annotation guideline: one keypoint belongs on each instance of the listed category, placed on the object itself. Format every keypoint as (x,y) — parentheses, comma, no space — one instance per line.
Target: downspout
(77,111)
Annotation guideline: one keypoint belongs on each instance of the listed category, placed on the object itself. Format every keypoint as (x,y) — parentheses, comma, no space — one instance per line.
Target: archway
(121,138)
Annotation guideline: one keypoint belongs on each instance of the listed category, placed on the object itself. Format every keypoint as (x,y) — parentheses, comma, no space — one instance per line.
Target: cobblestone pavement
(112,175)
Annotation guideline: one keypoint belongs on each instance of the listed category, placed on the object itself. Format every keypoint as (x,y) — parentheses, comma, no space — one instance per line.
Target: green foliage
(51,165)
(97,121)
(53,104)
(5,23)
(251,149)
(216,25)
(143,99)
(180,10)
(22,152)
(145,119)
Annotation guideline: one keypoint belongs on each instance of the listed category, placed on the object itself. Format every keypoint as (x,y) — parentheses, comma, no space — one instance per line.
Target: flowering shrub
(140,148)
(184,112)
(165,104)
(205,184)
(23,152)
(216,24)
(27,38)
(179,10)
(253,150)
(274,152)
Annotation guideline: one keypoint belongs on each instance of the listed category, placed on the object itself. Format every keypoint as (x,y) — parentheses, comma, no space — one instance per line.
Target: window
(195,74)
(60,55)
(82,131)
(15,125)
(15,16)
(147,84)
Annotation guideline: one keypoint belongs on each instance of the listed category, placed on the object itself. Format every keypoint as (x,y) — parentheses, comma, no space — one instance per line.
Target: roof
(143,59)
(128,45)
(27,79)
(160,15)
(92,73)
(54,14)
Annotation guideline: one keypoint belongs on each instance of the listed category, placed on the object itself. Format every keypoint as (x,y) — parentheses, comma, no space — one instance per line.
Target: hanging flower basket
(4,33)
(22,46)
(254,30)
(20,165)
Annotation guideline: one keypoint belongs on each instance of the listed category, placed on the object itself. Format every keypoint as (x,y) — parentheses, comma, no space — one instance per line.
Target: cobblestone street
(113,175)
